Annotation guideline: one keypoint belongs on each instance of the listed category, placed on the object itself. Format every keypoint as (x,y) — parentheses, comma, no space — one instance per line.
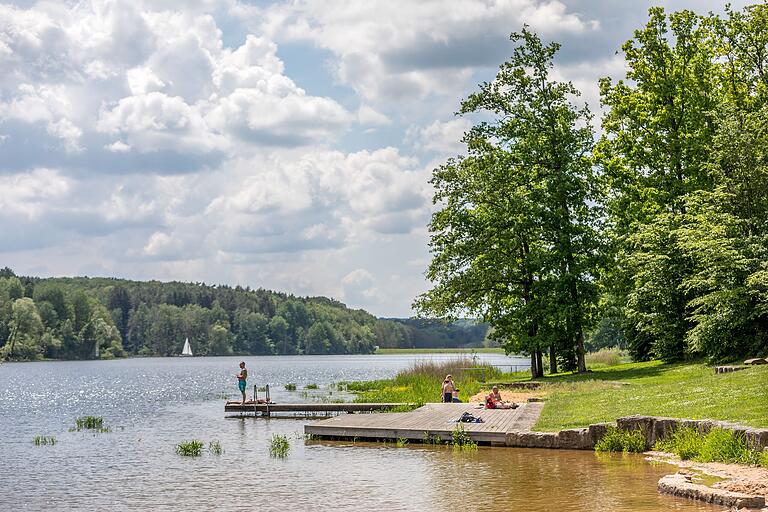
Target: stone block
(597,431)
(757,438)
(682,486)
(531,439)
(574,439)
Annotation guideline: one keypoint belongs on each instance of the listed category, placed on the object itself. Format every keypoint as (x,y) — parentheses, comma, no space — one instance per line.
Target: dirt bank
(518,396)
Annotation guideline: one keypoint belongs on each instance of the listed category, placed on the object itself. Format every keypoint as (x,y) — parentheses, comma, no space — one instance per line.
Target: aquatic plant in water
(279,446)
(290,386)
(214,448)
(90,423)
(43,440)
(193,448)
(311,386)
(401,442)
(460,439)
(616,440)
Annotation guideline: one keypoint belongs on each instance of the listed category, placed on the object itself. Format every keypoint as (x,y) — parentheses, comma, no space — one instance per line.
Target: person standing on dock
(448,388)
(242,377)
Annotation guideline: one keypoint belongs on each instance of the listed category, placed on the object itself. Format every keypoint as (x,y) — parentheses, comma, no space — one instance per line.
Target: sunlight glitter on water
(152,404)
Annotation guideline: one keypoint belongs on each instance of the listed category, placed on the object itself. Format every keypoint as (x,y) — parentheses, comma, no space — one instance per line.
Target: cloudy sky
(284,145)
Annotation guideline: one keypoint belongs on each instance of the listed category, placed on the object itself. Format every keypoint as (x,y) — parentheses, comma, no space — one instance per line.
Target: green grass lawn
(479,350)
(652,388)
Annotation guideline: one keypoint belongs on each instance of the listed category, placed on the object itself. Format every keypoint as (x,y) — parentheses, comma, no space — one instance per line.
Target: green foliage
(279,447)
(193,448)
(607,357)
(718,445)
(290,387)
(460,439)
(86,318)
(91,423)
(616,440)
(43,440)
(422,381)
(402,442)
(516,240)
(311,386)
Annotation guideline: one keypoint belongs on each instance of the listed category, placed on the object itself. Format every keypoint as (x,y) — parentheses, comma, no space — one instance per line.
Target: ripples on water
(152,404)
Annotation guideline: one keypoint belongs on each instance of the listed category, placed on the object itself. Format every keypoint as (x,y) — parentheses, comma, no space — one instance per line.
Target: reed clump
(193,448)
(290,386)
(311,386)
(43,440)
(214,448)
(422,381)
(607,357)
(616,440)
(93,424)
(279,446)
(461,440)
(718,445)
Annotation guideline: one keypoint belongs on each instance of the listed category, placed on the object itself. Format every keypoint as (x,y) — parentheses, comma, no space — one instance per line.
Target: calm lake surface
(152,404)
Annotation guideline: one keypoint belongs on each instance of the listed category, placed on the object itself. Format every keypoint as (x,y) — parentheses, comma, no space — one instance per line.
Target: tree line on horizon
(85,318)
(652,234)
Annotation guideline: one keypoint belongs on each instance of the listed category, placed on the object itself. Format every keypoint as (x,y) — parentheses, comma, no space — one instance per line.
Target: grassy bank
(603,395)
(479,350)
(651,388)
(421,383)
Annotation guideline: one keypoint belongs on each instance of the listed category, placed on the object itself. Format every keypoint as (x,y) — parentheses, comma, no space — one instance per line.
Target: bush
(461,439)
(192,448)
(719,445)
(616,440)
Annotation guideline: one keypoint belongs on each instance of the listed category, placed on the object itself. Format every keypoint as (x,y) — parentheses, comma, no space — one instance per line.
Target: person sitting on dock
(242,377)
(448,388)
(494,400)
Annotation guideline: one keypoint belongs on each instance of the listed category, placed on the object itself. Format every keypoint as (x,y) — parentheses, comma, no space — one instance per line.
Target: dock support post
(266,390)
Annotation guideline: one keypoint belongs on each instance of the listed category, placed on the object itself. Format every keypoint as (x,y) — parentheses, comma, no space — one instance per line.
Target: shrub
(193,448)
(279,446)
(461,439)
(719,445)
(616,440)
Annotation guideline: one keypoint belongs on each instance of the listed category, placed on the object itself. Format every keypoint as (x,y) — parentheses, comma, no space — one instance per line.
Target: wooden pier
(431,420)
(266,409)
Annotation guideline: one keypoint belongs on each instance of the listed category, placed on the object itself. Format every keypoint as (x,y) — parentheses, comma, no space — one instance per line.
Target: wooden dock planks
(435,419)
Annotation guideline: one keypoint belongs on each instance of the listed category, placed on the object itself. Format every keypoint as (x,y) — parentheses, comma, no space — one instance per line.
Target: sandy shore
(517,396)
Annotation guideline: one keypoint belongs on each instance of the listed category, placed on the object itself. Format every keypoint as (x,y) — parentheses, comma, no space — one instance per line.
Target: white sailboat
(187,350)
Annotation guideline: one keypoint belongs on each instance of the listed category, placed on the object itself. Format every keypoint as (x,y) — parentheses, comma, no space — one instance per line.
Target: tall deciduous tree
(658,133)
(516,238)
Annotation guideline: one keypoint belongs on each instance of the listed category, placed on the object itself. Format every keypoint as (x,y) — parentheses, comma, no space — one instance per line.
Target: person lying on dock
(242,377)
(494,400)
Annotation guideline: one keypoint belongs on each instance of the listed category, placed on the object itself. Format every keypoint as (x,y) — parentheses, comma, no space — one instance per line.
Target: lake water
(152,404)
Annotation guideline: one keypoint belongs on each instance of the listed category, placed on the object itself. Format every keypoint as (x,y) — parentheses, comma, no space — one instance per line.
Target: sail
(187,350)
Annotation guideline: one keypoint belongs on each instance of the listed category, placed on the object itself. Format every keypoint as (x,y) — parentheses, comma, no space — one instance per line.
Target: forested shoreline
(652,233)
(87,318)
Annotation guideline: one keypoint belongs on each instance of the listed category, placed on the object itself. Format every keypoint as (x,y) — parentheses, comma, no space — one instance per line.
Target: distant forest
(85,318)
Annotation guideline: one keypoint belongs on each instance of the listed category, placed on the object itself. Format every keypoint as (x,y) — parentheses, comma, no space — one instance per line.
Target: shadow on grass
(624,372)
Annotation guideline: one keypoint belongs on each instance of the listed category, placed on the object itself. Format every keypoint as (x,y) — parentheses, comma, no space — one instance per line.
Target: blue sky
(285,145)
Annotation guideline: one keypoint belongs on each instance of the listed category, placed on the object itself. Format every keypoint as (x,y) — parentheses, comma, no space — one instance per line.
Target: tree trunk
(534,362)
(539,365)
(552,359)
(580,352)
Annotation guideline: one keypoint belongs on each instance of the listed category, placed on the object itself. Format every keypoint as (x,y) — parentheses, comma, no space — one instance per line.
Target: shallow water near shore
(152,404)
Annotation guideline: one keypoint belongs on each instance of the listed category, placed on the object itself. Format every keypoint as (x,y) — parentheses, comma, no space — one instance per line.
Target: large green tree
(516,238)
